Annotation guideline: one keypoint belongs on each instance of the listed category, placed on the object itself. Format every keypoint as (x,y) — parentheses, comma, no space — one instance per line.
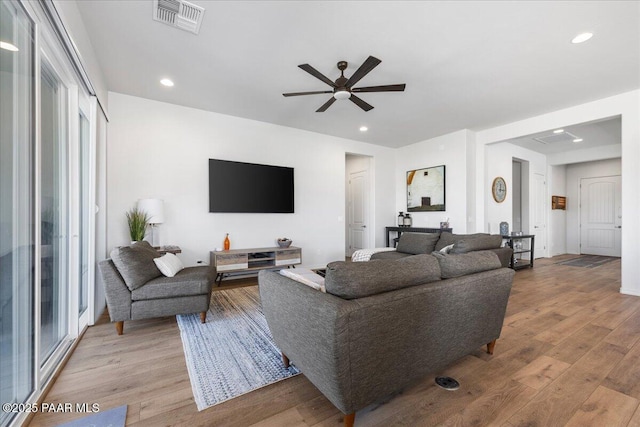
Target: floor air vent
(179,14)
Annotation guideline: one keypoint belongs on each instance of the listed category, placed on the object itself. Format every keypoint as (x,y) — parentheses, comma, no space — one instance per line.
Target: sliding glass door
(54,222)
(17,224)
(47,205)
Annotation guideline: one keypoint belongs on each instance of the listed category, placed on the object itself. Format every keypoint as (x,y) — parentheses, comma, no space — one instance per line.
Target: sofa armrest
(310,327)
(116,292)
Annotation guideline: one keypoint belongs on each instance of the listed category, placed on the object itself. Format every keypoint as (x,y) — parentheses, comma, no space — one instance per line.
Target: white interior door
(358,211)
(539,206)
(600,216)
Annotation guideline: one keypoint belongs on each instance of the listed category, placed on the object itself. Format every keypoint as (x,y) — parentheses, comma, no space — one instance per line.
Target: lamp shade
(154,208)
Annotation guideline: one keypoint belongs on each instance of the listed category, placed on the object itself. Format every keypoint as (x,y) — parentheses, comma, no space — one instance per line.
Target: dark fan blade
(360,103)
(386,88)
(307,93)
(326,105)
(364,69)
(317,74)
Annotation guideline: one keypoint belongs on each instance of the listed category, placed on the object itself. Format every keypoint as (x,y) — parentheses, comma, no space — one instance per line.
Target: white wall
(575,173)
(499,162)
(449,150)
(626,105)
(160,150)
(557,180)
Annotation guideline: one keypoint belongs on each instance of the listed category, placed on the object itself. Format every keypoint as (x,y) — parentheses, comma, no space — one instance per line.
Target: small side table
(169,249)
(517,262)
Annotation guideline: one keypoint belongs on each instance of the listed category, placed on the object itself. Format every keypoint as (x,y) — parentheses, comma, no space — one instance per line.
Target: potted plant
(138,221)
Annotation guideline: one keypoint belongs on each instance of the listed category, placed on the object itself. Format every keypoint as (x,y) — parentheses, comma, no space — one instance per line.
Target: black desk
(401,230)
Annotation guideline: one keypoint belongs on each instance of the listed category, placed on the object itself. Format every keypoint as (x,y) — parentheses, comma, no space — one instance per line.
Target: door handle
(618,226)
(364,226)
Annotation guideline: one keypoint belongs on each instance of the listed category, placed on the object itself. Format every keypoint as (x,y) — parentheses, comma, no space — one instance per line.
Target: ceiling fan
(343,87)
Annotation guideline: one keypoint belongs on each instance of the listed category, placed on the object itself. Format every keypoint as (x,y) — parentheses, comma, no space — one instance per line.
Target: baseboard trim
(633,292)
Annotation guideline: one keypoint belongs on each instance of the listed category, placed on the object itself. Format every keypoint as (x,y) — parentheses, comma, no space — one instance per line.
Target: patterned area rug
(233,353)
(589,261)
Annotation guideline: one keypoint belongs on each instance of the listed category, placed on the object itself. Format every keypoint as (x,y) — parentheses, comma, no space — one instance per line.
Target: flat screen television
(236,187)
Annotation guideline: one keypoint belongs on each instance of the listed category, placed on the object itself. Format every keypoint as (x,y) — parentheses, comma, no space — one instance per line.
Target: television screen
(247,187)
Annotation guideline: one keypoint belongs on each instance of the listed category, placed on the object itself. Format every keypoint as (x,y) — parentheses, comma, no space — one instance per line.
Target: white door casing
(358,211)
(539,207)
(600,216)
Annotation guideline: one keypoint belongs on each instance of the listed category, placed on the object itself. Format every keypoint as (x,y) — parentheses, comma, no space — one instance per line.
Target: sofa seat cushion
(350,280)
(189,281)
(417,243)
(135,264)
(478,243)
(389,255)
(455,265)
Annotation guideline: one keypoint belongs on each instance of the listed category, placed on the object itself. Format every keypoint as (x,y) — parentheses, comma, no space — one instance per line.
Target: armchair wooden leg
(285,360)
(491,346)
(349,419)
(120,327)
(203,317)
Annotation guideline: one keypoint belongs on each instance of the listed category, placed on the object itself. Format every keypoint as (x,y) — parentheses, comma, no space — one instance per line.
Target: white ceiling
(473,65)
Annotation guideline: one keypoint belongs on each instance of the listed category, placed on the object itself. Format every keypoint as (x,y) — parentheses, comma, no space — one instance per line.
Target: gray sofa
(385,324)
(425,243)
(136,289)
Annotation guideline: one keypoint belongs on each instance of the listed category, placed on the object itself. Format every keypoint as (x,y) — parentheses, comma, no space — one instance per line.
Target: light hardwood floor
(569,355)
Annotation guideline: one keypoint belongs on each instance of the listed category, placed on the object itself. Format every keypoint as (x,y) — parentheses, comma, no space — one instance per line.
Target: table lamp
(155,210)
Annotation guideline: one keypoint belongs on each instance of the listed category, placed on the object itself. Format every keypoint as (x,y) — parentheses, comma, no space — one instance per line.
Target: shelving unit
(254,259)
(522,254)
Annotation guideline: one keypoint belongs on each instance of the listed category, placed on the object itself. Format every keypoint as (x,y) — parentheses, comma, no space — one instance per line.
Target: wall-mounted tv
(236,187)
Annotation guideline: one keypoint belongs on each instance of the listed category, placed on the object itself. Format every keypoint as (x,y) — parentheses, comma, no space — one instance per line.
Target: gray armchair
(135,288)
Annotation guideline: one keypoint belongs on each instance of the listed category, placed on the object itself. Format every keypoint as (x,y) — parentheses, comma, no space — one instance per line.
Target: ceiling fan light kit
(343,87)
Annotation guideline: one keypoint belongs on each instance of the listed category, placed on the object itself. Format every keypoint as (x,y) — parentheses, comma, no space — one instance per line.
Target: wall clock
(499,189)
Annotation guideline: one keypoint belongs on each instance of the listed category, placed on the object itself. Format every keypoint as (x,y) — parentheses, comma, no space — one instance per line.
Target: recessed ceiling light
(577,140)
(363,128)
(8,46)
(166,82)
(558,131)
(581,38)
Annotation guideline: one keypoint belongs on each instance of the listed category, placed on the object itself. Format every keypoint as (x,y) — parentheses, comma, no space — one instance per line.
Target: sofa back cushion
(417,243)
(455,265)
(135,264)
(447,238)
(350,280)
(477,243)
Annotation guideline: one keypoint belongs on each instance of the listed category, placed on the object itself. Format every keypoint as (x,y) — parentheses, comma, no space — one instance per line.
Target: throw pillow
(478,243)
(135,265)
(350,280)
(455,265)
(446,249)
(305,276)
(169,264)
(417,243)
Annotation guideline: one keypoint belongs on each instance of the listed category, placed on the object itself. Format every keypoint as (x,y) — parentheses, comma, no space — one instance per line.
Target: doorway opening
(358,224)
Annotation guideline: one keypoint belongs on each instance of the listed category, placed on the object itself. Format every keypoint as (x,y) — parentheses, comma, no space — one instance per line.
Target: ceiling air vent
(179,14)
(556,138)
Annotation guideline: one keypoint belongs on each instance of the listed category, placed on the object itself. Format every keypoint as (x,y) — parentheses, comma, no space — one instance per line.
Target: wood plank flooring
(569,355)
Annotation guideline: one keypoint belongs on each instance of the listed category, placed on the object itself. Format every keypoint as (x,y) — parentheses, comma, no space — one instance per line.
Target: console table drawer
(288,257)
(227,262)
